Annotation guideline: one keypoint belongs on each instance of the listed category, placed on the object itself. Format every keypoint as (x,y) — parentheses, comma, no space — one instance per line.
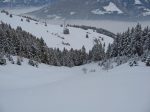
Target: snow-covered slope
(59,89)
(53,34)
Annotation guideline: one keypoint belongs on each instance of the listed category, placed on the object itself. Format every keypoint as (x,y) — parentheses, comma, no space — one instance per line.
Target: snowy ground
(53,34)
(60,89)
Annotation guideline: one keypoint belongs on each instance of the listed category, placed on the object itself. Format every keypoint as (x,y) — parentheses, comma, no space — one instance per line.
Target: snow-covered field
(53,34)
(60,89)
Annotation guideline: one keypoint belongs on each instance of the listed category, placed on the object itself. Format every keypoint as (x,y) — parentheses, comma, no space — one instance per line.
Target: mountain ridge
(96,9)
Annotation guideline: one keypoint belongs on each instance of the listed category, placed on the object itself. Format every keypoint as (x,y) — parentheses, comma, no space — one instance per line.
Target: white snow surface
(60,89)
(138,2)
(112,7)
(53,34)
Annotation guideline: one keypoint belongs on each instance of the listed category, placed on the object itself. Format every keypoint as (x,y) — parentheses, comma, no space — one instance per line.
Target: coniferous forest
(135,42)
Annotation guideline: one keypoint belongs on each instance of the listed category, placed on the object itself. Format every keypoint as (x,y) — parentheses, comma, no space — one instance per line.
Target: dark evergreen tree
(98,52)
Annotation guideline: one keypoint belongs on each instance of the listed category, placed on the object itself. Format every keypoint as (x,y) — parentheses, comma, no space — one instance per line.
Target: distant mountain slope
(25,2)
(95,9)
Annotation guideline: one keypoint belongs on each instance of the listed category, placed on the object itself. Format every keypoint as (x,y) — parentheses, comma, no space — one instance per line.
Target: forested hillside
(133,43)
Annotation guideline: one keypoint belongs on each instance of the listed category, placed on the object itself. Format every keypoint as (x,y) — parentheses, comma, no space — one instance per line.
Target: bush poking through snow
(10,15)
(10,58)
(61,25)
(107,65)
(21,19)
(33,63)
(148,61)
(18,61)
(133,63)
(84,70)
(101,63)
(2,61)
(87,36)
(92,70)
(28,20)
(45,24)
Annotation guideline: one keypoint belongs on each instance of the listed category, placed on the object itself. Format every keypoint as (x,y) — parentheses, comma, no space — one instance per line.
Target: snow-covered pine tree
(83,55)
(98,52)
(144,35)
(126,43)
(108,52)
(147,42)
(116,46)
(137,40)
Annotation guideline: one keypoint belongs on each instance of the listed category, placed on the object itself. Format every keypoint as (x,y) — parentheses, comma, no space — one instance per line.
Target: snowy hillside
(60,89)
(53,34)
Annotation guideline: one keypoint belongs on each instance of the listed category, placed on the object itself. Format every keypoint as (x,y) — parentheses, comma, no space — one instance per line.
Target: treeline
(21,43)
(98,30)
(135,41)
